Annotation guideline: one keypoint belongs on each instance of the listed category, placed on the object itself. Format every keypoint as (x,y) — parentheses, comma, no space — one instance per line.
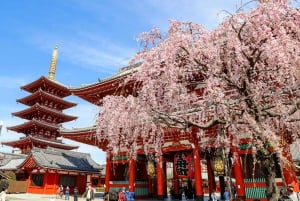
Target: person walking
(75,193)
(291,193)
(214,196)
(89,193)
(67,193)
(226,195)
(3,194)
(122,195)
(61,191)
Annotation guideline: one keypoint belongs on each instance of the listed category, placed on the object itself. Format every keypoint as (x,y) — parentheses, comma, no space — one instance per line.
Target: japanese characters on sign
(184,164)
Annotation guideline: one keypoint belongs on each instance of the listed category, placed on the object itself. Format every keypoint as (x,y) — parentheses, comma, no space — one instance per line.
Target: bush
(4,184)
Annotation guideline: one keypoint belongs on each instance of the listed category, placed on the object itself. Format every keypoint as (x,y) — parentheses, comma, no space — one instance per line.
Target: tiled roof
(52,158)
(45,82)
(13,164)
(36,141)
(121,73)
(64,160)
(10,161)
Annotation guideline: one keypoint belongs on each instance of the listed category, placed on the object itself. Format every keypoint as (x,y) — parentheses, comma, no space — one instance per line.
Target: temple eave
(40,95)
(31,87)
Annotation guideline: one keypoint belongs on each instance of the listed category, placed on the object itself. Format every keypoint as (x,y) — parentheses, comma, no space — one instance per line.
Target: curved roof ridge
(127,70)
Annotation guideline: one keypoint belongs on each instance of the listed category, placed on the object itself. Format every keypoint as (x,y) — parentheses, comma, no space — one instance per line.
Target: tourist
(75,194)
(214,196)
(226,195)
(3,194)
(292,194)
(61,191)
(129,196)
(89,193)
(122,194)
(67,193)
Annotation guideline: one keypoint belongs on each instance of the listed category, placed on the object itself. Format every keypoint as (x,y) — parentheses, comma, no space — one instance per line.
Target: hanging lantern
(184,164)
(151,168)
(219,166)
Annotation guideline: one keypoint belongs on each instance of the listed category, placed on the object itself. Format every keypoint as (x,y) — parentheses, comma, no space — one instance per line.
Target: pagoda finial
(52,67)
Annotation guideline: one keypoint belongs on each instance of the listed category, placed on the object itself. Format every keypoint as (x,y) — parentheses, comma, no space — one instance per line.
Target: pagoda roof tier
(50,86)
(40,95)
(95,92)
(38,110)
(33,125)
(36,142)
(57,159)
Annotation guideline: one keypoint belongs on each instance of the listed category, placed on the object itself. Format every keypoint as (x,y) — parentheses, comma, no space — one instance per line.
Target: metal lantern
(151,168)
(219,166)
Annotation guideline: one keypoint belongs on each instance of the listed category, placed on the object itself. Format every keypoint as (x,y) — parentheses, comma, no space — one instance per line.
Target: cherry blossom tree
(242,76)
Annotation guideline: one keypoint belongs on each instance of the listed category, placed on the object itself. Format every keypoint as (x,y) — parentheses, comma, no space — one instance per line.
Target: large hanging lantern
(219,166)
(184,164)
(151,168)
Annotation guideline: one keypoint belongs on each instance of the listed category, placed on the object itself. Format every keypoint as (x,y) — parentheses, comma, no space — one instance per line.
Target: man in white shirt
(214,196)
(292,194)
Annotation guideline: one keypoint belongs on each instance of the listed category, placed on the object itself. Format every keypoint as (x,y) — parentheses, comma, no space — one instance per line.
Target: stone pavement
(37,197)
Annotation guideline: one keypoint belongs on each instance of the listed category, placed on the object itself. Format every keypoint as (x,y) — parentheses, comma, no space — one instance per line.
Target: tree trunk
(268,167)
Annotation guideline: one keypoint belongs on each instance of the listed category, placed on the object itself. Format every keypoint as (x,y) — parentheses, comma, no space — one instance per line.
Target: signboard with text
(184,165)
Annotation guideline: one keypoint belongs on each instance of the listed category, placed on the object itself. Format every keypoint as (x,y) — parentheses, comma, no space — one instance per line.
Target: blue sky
(95,39)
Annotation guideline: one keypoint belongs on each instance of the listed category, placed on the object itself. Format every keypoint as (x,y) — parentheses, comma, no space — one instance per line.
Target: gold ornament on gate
(151,168)
(218,164)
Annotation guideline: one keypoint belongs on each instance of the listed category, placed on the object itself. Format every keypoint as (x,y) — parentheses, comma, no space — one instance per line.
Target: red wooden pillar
(238,174)
(160,178)
(176,186)
(288,169)
(211,176)
(29,181)
(131,175)
(150,186)
(199,194)
(56,179)
(107,173)
(45,182)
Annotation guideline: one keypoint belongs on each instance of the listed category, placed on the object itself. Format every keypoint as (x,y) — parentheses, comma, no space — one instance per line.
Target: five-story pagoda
(44,114)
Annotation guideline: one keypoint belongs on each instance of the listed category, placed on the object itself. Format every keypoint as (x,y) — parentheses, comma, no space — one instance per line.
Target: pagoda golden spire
(52,67)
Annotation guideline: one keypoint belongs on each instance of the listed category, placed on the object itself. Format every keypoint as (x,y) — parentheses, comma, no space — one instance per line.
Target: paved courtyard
(37,197)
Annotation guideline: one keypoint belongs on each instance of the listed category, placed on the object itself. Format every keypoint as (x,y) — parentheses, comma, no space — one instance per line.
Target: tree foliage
(246,72)
(242,76)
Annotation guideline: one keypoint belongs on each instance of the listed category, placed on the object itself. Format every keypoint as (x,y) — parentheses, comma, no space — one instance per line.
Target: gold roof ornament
(52,67)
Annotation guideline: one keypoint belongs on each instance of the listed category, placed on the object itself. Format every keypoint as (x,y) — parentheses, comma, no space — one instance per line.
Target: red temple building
(194,170)
(43,169)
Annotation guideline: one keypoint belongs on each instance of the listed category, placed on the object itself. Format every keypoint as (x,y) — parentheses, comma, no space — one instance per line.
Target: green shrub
(4,183)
